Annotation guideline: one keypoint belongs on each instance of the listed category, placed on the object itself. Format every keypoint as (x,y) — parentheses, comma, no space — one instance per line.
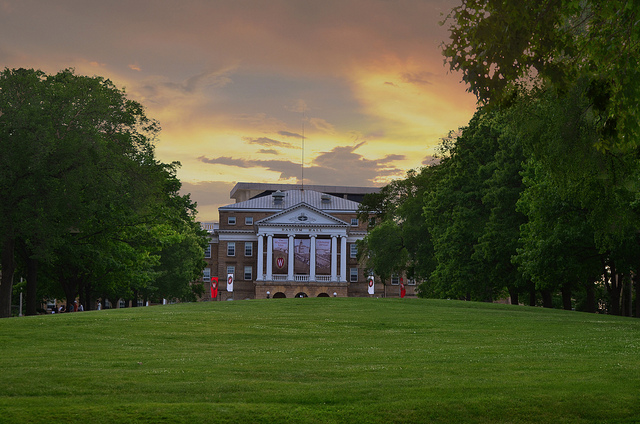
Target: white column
(260,266)
(312,259)
(269,257)
(343,259)
(334,257)
(290,273)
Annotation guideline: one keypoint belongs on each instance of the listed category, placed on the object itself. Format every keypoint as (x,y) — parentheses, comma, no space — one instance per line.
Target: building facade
(282,241)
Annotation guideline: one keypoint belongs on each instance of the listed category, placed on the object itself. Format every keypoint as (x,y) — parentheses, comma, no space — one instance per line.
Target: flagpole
(302,161)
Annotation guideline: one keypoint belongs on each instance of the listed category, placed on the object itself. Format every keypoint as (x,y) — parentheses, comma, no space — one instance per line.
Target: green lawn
(321,360)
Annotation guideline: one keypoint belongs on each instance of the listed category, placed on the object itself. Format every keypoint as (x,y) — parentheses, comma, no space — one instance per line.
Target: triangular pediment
(302,215)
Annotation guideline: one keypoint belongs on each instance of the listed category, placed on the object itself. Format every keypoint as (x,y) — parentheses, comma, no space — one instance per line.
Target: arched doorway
(279,295)
(302,294)
(323,295)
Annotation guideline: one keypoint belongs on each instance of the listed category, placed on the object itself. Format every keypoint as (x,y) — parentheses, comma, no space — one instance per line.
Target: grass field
(321,360)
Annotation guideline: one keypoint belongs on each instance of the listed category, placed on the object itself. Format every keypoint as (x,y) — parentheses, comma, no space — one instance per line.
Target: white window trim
(250,246)
(231,220)
(229,246)
(248,220)
(250,273)
(353,250)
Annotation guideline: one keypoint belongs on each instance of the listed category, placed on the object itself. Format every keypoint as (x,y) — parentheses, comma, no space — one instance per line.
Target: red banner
(403,291)
(214,287)
(280,255)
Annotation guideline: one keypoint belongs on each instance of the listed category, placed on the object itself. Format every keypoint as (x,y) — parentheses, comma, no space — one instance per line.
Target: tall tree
(498,243)
(505,48)
(77,163)
(399,243)
(455,212)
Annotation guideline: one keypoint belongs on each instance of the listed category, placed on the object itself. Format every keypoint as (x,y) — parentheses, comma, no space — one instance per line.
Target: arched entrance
(323,295)
(279,295)
(301,294)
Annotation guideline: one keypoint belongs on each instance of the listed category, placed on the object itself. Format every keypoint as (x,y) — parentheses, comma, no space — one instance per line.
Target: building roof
(245,191)
(290,198)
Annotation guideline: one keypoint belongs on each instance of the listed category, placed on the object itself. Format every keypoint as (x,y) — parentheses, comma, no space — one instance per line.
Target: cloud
(287,169)
(322,125)
(420,78)
(289,134)
(264,141)
(430,161)
(391,158)
(210,195)
(215,71)
(225,160)
(339,166)
(213,78)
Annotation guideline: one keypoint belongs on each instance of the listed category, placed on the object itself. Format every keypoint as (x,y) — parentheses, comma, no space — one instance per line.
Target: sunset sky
(236,83)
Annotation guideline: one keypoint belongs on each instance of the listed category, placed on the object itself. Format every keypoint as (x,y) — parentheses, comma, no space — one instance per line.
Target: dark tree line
(87,210)
(538,196)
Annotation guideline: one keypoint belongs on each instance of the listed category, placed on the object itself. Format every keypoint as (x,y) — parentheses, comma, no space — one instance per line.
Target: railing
(299,278)
(279,277)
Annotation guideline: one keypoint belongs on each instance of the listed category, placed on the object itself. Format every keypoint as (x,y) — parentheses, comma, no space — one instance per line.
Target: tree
(79,179)
(498,243)
(594,190)
(507,48)
(399,243)
(456,215)
(571,68)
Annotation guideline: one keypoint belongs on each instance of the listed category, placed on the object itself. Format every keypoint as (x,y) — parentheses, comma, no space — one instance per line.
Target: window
(354,222)
(411,282)
(248,249)
(354,250)
(231,220)
(248,220)
(395,280)
(122,304)
(207,251)
(248,273)
(206,274)
(231,270)
(353,275)
(231,248)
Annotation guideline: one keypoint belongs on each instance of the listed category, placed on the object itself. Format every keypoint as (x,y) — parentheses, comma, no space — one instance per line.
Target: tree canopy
(83,194)
(506,48)
(538,194)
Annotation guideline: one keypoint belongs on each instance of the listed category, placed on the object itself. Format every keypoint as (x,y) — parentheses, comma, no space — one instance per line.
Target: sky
(354,91)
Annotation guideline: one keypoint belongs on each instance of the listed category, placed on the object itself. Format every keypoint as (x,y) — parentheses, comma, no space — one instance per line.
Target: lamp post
(268,294)
(20,309)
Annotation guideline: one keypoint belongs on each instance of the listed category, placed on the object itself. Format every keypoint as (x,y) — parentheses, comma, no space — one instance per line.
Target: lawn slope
(322,360)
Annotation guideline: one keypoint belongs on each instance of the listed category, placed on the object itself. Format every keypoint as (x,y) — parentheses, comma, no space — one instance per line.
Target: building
(281,240)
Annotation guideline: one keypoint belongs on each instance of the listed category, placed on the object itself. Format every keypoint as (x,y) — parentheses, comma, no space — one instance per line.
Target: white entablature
(302,219)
